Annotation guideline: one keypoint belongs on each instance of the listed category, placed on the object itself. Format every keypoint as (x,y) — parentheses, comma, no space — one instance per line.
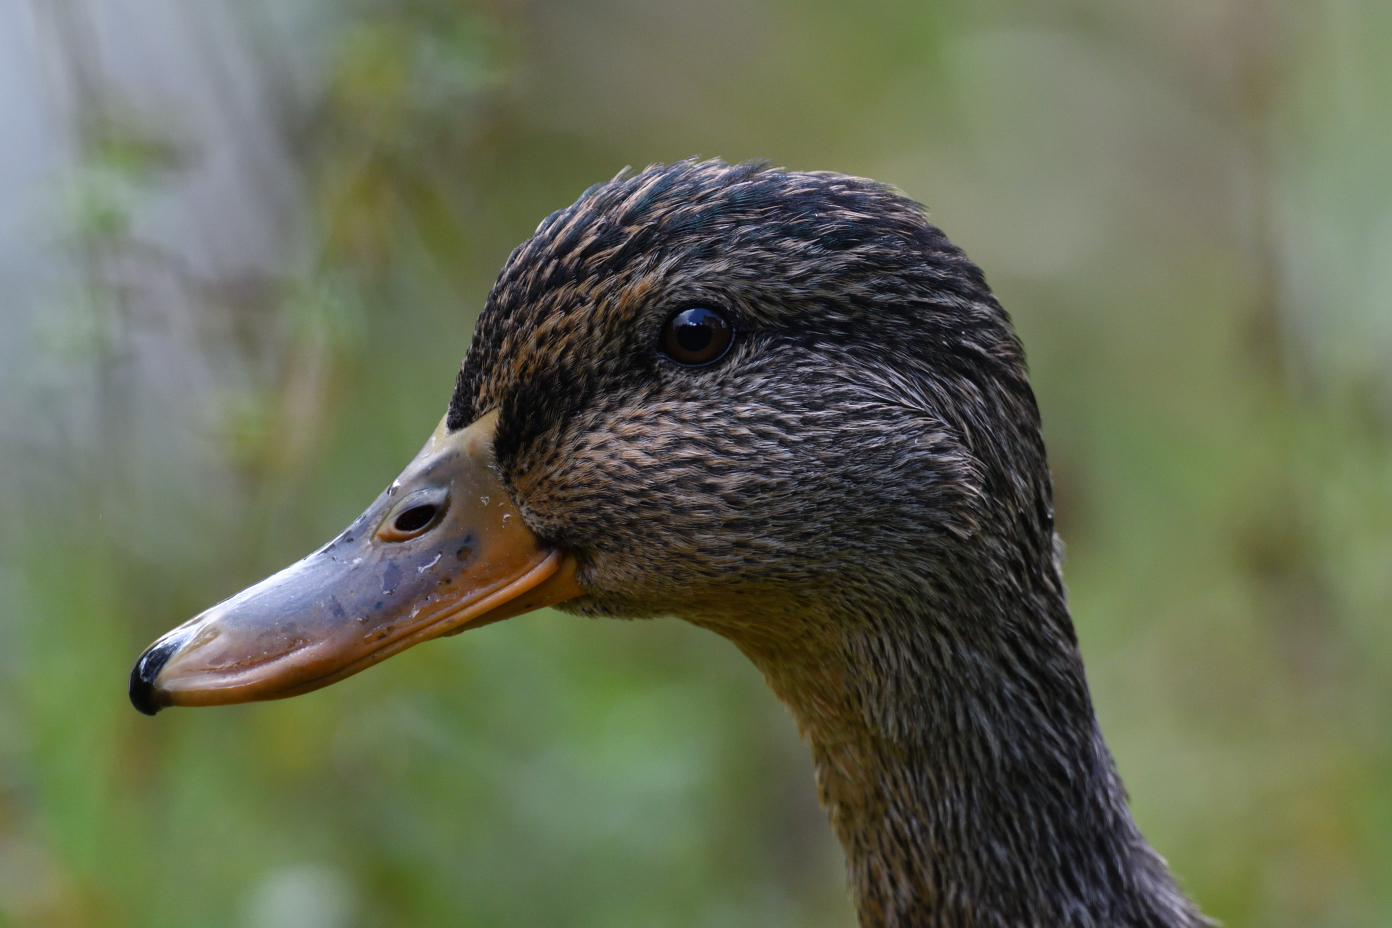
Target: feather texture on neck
(960,762)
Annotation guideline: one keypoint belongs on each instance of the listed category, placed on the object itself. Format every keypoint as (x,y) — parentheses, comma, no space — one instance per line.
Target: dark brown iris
(696,336)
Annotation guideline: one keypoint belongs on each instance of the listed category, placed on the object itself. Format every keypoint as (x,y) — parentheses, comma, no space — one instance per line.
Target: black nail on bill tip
(146,669)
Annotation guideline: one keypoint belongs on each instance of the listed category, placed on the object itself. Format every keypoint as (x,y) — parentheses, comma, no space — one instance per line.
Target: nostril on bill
(416,518)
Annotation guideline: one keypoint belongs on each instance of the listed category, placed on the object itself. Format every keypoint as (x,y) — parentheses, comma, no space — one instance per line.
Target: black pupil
(695,336)
(417,517)
(696,329)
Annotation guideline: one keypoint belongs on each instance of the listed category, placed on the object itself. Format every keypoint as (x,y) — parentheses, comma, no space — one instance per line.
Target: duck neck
(961,764)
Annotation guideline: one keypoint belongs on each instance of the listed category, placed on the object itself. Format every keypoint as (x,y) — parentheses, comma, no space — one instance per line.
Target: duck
(784,407)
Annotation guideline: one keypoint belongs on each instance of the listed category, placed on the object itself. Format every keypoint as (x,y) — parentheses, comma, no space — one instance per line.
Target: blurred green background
(242,245)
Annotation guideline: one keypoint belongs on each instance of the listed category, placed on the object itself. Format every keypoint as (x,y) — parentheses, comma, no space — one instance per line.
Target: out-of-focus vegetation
(243,245)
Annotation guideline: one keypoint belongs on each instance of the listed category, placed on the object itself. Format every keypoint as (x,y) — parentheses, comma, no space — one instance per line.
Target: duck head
(726,393)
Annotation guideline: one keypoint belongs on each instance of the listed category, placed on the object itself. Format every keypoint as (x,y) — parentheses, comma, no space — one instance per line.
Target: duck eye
(696,336)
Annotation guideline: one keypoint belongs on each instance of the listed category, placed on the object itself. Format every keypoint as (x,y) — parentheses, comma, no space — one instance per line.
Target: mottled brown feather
(856,495)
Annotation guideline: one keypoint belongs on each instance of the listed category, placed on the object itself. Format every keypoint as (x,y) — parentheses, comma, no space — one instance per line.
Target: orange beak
(443,549)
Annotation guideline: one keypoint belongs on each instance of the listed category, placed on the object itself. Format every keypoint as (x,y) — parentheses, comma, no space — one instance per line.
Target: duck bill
(443,549)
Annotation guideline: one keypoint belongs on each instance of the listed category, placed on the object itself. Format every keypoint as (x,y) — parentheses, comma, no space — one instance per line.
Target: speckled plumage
(856,495)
